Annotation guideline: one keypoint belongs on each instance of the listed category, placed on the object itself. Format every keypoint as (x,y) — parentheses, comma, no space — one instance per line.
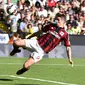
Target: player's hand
(71,62)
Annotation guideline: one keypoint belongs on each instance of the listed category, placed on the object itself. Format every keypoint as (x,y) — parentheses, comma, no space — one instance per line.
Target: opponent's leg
(15,50)
(16,44)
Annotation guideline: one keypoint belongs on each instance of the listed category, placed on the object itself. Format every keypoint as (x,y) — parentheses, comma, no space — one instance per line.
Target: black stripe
(53,44)
(48,41)
(58,29)
(42,40)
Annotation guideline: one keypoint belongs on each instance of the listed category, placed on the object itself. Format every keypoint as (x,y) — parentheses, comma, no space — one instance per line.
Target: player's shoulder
(64,31)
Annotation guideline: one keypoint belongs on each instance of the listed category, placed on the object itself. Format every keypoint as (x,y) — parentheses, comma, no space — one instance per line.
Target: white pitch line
(37,79)
(43,64)
(12,63)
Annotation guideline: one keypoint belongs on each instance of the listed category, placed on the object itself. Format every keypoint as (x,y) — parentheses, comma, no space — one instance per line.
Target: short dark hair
(60,15)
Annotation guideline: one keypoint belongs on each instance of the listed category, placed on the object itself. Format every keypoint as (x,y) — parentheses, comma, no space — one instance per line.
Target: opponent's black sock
(15,47)
(15,50)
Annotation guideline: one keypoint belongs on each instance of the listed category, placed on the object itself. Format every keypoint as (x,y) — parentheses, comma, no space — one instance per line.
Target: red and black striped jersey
(54,35)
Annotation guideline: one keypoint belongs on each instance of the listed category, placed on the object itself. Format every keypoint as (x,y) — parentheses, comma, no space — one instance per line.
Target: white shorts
(37,52)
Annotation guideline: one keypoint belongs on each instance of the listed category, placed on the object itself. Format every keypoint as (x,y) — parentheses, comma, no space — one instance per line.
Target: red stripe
(52,45)
(44,39)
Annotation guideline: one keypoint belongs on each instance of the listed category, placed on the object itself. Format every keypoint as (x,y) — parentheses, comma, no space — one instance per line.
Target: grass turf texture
(49,71)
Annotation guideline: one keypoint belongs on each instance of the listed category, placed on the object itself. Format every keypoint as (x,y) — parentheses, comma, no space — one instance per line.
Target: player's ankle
(25,69)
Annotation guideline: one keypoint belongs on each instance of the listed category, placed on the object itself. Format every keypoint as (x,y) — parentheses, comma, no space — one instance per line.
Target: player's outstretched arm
(69,54)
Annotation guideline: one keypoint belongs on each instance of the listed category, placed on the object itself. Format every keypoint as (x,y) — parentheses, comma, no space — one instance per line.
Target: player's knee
(27,66)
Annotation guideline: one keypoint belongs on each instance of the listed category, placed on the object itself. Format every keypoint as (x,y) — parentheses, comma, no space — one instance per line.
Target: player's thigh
(20,42)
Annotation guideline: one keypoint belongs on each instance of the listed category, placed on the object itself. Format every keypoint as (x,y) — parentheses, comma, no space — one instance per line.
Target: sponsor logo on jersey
(55,34)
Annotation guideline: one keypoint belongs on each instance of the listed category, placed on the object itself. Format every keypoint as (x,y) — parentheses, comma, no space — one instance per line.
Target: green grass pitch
(49,71)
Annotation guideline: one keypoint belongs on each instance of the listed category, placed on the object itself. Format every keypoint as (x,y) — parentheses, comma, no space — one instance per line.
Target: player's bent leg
(26,66)
(36,56)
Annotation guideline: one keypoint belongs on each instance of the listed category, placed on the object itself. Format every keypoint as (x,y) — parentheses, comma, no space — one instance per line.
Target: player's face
(60,21)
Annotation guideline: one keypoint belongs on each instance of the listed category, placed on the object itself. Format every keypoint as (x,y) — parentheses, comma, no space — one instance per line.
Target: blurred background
(24,17)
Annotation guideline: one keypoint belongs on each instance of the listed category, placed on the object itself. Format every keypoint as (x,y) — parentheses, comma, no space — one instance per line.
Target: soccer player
(53,35)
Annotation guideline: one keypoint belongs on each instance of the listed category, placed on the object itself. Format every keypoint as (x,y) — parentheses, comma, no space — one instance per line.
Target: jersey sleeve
(66,40)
